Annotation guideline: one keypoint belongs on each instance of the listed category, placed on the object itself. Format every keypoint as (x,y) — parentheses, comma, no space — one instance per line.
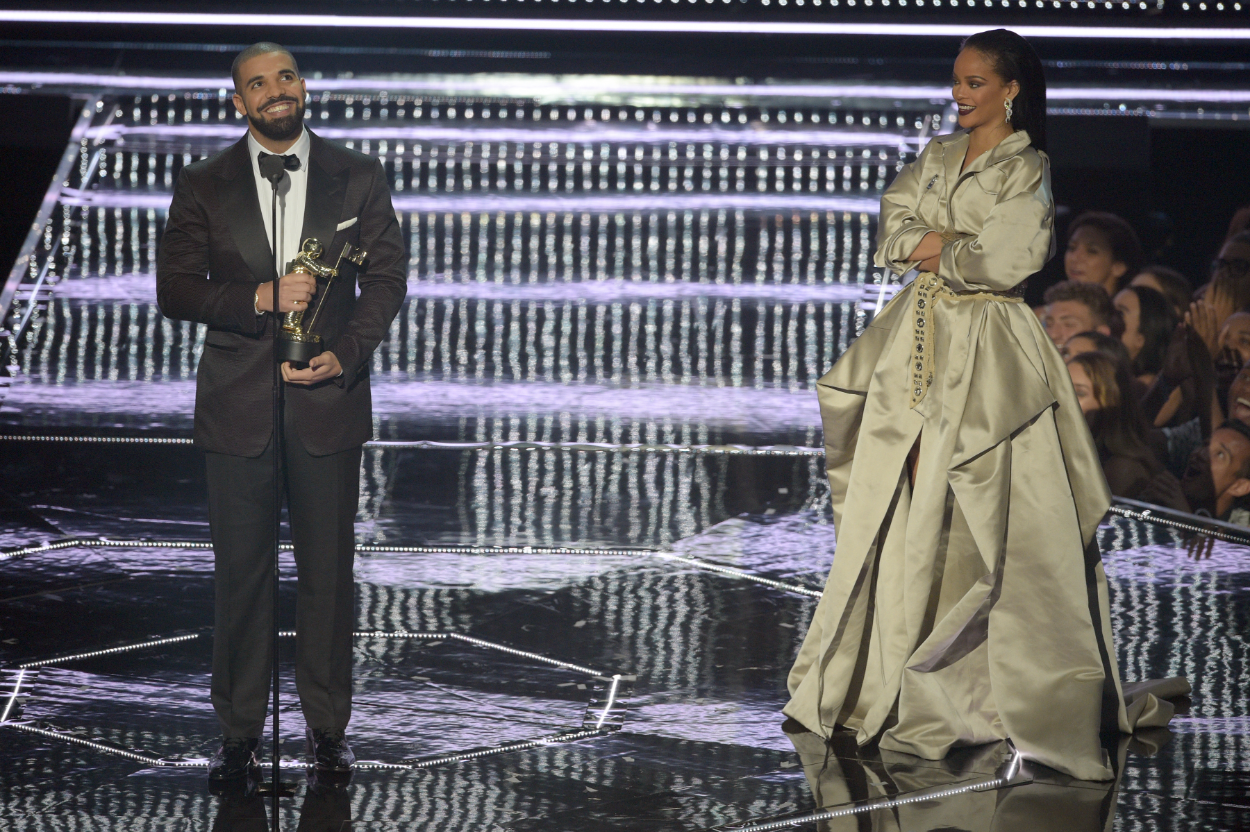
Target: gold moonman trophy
(297,343)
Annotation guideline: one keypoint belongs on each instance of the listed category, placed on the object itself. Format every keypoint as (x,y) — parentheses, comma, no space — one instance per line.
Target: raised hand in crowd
(1206,316)
(1185,386)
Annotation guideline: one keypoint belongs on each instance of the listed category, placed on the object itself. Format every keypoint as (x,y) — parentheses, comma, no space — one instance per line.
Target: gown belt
(930,288)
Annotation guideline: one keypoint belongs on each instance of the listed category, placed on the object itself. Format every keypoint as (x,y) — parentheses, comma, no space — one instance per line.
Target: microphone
(272,168)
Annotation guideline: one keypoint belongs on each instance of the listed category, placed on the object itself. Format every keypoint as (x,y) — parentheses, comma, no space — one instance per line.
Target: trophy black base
(283,788)
(298,351)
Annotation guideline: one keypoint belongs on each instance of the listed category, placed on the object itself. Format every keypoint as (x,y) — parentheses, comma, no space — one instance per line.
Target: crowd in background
(1161,366)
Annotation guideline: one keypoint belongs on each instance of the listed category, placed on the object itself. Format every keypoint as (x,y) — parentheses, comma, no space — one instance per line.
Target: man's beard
(283,128)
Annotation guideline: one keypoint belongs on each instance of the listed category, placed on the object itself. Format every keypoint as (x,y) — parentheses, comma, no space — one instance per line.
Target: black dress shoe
(328,750)
(235,758)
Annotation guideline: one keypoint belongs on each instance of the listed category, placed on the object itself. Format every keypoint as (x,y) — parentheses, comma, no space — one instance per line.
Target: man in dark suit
(216,267)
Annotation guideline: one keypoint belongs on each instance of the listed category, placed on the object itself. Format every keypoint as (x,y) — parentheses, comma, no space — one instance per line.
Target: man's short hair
(262,48)
(1090,295)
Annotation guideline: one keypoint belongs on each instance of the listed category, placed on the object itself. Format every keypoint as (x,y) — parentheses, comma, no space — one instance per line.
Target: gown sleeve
(1017,237)
(899,229)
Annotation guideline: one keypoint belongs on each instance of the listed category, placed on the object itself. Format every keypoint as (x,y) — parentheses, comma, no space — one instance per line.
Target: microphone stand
(275,174)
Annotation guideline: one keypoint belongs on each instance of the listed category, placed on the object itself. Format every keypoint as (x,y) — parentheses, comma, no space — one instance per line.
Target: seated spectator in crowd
(1232,351)
(1238,401)
(1234,338)
(1185,386)
(1073,307)
(1168,282)
(1227,291)
(1132,467)
(1102,249)
(1084,342)
(1217,480)
(1148,324)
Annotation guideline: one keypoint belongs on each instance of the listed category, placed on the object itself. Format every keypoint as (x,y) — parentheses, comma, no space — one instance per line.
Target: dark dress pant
(322,494)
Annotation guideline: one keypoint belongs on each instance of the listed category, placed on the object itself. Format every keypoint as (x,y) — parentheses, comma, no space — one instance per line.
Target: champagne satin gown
(972,606)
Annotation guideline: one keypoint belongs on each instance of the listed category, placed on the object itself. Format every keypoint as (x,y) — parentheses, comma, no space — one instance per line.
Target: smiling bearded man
(216,267)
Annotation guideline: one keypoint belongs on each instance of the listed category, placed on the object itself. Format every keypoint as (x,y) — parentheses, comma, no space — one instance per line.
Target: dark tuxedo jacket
(215,253)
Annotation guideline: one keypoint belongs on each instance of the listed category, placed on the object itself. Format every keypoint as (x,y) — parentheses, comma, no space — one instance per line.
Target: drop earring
(1007,107)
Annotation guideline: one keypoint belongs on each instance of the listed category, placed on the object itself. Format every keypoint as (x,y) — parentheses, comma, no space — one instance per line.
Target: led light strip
(699,563)
(607,203)
(616,681)
(559,95)
(288,763)
(490,645)
(1149,516)
(589,671)
(74,739)
(17,685)
(1009,778)
(111,651)
(797,589)
(551,739)
(518,445)
(153,760)
(594,132)
(330,21)
(869,806)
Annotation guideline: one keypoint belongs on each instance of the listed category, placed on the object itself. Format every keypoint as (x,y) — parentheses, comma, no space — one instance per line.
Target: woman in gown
(967,601)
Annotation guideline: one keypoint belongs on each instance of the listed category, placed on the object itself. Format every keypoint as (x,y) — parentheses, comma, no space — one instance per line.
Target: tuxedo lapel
(236,192)
(327,188)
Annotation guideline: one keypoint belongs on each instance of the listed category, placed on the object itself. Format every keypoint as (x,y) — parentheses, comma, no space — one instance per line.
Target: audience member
(1185,386)
(1148,324)
(1073,307)
(1102,249)
(1084,342)
(1238,401)
(1168,282)
(1133,469)
(1234,338)
(1232,351)
(1217,480)
(1233,261)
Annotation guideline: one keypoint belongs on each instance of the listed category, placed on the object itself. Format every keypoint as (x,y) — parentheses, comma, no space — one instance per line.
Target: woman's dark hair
(1014,60)
(1109,344)
(1156,321)
(1176,287)
(1118,426)
(1125,246)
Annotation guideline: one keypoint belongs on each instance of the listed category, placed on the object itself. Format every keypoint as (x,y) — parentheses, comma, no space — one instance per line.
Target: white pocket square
(346,224)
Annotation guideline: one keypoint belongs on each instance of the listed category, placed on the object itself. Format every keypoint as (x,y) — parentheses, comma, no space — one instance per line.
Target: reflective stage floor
(594,528)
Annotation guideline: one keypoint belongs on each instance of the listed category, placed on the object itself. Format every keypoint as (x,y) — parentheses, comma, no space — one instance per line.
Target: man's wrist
(256,301)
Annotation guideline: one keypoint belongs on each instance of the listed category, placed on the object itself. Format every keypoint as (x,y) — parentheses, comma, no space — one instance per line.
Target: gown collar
(955,146)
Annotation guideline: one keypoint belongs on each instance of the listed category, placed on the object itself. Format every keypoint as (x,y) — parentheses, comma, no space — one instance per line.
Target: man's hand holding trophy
(304,359)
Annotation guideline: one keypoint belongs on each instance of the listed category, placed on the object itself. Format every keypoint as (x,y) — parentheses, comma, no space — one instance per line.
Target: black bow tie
(289,161)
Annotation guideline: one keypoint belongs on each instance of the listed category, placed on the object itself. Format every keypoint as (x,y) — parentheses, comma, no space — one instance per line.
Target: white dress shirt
(291,197)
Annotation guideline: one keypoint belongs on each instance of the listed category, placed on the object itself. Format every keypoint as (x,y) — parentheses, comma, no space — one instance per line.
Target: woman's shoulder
(937,144)
(1025,171)
(1028,161)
